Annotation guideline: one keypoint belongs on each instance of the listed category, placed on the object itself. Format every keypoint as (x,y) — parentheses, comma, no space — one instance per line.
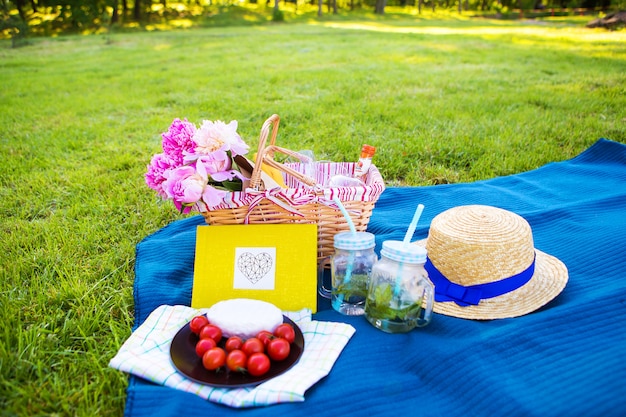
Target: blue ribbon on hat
(446,290)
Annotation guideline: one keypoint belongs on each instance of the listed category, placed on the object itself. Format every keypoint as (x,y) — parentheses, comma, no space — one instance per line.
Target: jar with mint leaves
(400,295)
(351,266)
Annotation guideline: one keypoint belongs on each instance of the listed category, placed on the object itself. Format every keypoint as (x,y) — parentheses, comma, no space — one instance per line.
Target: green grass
(80,116)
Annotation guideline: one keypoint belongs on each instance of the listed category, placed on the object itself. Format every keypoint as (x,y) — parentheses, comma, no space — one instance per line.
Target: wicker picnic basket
(305,200)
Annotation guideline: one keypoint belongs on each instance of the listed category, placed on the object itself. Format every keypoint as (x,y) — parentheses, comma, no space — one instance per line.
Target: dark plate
(185,360)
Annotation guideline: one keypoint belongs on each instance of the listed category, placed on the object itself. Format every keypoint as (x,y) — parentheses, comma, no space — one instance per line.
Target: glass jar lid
(354,241)
(398,251)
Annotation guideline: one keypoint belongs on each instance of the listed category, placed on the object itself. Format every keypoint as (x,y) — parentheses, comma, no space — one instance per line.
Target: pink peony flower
(228,176)
(195,169)
(213,197)
(178,140)
(155,176)
(216,136)
(215,162)
(184,185)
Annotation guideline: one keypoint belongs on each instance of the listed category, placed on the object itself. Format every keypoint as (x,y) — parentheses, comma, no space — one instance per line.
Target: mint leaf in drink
(384,306)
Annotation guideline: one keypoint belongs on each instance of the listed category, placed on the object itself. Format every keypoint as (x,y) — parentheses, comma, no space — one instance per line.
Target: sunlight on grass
(170,25)
(162,47)
(577,34)
(181,23)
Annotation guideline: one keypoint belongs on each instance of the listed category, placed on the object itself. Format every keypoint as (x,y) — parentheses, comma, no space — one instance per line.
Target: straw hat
(484,265)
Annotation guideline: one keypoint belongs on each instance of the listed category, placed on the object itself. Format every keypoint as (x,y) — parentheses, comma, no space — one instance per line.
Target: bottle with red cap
(365,161)
(360,170)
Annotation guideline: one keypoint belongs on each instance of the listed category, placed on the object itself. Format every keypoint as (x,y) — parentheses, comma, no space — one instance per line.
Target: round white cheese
(244,317)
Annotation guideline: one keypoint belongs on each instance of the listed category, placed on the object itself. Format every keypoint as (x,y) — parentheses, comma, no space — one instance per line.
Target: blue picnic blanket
(566,359)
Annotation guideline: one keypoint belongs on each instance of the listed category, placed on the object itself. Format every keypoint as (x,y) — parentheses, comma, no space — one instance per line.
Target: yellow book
(273,173)
(276,263)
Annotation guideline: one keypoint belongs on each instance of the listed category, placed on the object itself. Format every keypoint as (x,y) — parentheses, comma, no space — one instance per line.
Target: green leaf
(380,306)
(232,185)
(357,286)
(383,294)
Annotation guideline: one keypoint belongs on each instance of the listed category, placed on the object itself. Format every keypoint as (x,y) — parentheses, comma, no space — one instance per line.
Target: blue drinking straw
(406,242)
(350,265)
(346,215)
(413,225)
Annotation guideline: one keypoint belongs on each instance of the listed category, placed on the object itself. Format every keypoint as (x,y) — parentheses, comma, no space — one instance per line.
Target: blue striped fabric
(566,359)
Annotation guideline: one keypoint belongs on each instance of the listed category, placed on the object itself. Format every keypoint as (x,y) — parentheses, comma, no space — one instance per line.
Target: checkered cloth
(146,354)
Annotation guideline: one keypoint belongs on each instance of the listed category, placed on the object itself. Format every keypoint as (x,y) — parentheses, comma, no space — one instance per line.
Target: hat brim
(547,282)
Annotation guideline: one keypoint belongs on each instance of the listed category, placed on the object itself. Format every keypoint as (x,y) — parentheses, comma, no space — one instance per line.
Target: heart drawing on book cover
(254,267)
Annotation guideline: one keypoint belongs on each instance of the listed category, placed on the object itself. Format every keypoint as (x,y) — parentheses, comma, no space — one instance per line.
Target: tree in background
(91,14)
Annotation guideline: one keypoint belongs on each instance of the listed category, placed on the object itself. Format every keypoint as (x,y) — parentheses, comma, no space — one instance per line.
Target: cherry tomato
(214,358)
(258,364)
(236,360)
(203,345)
(265,336)
(211,331)
(286,332)
(197,323)
(278,349)
(253,345)
(233,343)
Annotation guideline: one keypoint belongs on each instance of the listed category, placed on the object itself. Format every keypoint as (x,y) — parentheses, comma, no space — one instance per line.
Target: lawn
(444,101)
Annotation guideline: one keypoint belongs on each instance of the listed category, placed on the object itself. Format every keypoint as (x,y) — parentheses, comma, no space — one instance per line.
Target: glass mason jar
(351,267)
(400,295)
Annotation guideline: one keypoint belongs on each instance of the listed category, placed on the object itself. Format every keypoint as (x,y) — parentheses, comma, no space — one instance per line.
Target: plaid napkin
(146,354)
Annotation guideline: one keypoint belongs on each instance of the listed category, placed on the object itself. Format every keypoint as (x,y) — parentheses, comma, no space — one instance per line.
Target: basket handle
(265,155)
(272,122)
(270,150)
